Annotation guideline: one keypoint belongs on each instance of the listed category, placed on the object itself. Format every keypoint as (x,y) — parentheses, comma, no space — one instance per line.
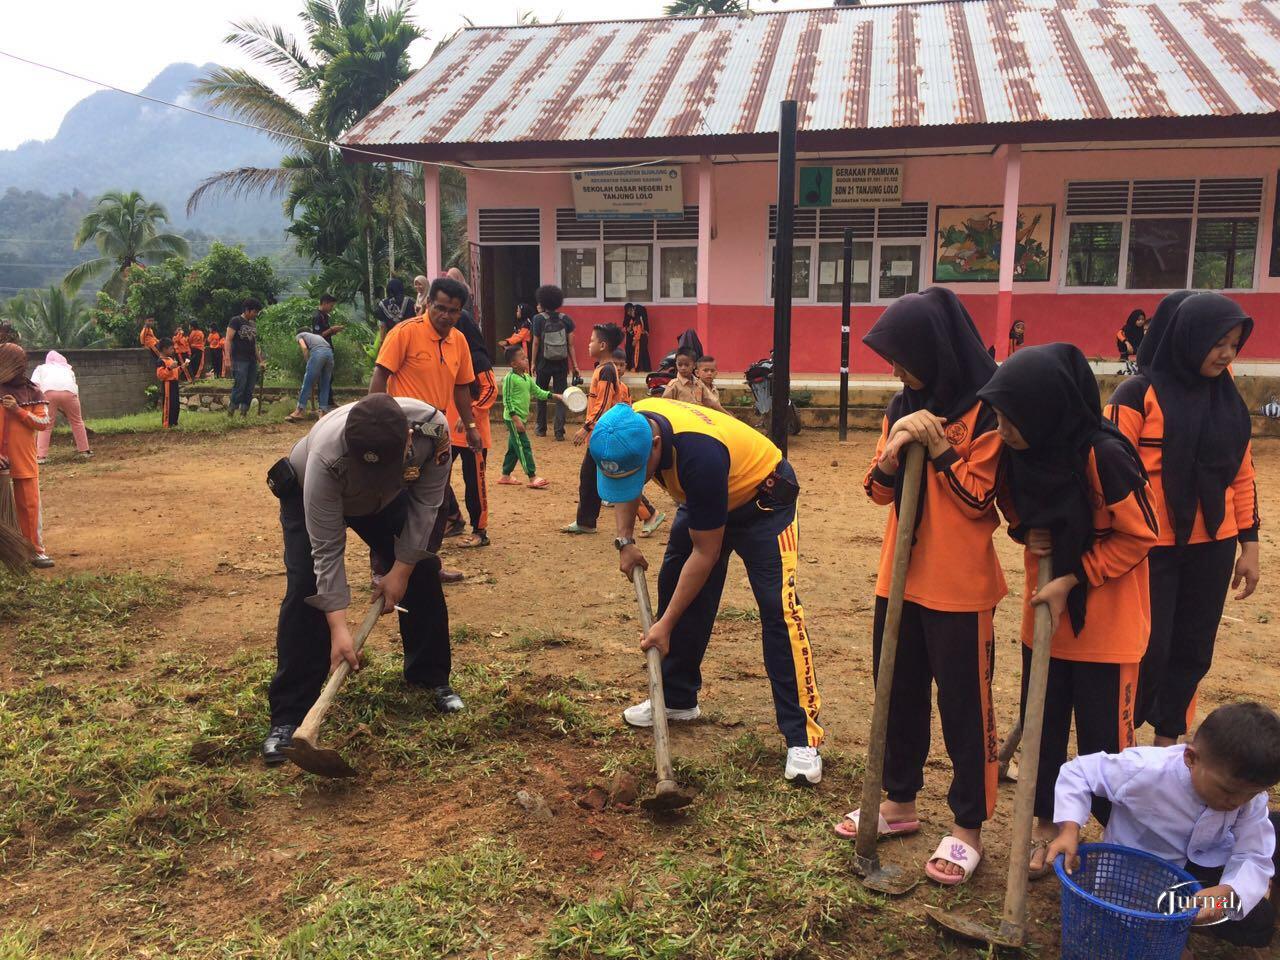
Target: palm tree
(125,229)
(50,318)
(355,55)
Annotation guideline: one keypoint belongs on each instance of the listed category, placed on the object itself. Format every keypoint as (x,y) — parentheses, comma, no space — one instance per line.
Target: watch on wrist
(621,542)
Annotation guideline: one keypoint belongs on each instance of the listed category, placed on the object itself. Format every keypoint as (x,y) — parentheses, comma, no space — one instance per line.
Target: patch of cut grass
(459,904)
(739,615)
(189,421)
(67,623)
(544,640)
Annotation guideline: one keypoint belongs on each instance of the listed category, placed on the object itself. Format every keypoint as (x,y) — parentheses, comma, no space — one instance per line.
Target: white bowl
(575,400)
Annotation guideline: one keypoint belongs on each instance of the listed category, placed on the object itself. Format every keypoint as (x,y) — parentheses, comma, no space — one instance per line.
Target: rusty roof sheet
(933,64)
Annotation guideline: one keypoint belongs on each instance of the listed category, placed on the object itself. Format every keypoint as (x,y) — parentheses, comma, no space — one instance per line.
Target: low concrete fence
(112,382)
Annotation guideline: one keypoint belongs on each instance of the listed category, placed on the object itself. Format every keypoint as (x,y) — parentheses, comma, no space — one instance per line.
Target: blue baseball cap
(620,445)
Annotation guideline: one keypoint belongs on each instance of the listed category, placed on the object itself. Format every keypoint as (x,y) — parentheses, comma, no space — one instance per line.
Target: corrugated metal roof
(920,65)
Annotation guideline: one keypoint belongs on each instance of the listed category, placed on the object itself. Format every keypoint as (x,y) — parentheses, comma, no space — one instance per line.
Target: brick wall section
(112,382)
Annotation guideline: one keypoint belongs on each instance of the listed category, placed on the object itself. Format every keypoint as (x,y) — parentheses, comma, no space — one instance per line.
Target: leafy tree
(278,327)
(53,319)
(698,8)
(125,229)
(215,285)
(157,293)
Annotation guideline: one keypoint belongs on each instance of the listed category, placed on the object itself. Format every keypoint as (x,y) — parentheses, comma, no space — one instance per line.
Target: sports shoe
(804,766)
(446,700)
(653,523)
(278,738)
(42,561)
(641,715)
(86,454)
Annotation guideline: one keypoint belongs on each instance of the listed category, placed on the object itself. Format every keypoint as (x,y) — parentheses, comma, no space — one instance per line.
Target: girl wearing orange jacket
(23,414)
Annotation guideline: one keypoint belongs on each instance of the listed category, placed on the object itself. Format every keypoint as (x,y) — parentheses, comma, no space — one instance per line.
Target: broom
(15,551)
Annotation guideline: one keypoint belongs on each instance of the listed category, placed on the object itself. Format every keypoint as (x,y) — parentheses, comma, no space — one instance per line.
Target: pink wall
(741,317)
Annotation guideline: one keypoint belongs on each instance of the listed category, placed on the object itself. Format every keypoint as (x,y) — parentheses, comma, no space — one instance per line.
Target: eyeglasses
(441,309)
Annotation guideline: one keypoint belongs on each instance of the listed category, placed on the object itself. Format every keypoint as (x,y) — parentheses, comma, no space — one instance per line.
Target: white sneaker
(803,762)
(641,715)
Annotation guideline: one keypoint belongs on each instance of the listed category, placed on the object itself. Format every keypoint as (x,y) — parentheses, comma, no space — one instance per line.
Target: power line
(319,143)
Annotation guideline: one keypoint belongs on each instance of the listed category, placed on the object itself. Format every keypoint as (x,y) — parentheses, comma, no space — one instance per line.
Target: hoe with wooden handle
(668,795)
(304,751)
(886,878)
(1013,922)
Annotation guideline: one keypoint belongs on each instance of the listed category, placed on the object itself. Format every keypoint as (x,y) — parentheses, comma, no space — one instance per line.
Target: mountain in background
(112,141)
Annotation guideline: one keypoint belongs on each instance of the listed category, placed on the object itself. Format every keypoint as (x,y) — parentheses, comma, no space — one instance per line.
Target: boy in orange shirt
(168,370)
(23,414)
(1075,491)
(214,354)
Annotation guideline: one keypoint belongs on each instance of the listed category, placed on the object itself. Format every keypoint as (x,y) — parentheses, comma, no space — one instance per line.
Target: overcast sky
(127,42)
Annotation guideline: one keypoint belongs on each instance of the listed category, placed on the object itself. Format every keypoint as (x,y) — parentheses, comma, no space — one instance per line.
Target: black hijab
(1014,335)
(933,338)
(1133,331)
(1206,421)
(1051,395)
(1157,326)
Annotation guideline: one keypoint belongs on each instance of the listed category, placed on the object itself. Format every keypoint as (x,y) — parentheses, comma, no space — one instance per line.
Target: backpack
(555,337)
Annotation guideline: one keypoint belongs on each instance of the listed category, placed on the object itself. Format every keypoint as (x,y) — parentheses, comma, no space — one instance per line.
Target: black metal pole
(846,302)
(782,261)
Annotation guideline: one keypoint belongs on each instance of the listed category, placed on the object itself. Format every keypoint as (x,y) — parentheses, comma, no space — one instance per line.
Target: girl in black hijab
(1193,430)
(1017,336)
(954,580)
(1154,331)
(1129,337)
(1074,490)
(636,324)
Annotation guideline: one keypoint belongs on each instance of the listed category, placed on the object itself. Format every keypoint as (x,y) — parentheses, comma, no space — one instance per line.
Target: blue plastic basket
(1111,906)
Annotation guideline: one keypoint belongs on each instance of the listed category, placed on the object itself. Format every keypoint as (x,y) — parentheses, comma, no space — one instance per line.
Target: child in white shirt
(1201,806)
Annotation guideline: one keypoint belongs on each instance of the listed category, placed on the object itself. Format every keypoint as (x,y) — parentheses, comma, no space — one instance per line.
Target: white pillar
(1008,246)
(431,210)
(706,190)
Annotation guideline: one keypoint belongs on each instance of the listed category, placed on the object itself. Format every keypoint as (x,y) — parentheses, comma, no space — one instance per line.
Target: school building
(1135,144)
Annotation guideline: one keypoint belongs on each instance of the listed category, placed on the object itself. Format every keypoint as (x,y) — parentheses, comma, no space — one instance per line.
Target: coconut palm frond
(82,273)
(164,245)
(241,182)
(273,46)
(247,98)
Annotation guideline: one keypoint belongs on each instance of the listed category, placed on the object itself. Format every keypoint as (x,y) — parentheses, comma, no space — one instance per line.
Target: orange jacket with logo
(1118,610)
(195,339)
(606,390)
(1135,409)
(953,562)
(180,345)
(215,340)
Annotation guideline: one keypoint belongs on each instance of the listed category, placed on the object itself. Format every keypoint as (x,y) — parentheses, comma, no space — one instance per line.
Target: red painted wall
(740,335)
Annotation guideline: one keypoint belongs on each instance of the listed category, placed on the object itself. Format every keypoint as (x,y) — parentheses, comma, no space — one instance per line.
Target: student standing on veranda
(242,355)
(57,381)
(553,356)
(736,494)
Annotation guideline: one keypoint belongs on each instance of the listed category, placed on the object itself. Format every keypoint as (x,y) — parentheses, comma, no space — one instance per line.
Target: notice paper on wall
(861,271)
(830,272)
(615,291)
(901,268)
(675,288)
(588,277)
(618,272)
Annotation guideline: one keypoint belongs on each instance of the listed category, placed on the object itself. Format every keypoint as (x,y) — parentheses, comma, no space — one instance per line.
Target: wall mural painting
(967,244)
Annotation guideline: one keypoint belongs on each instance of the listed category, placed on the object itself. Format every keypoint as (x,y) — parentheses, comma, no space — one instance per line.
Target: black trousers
(1188,591)
(1257,927)
(1101,696)
(588,494)
(476,493)
(768,543)
(957,650)
(302,633)
(215,362)
(552,375)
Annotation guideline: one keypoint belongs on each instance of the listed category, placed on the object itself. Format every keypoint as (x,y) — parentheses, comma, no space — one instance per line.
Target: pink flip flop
(953,850)
(848,827)
(540,483)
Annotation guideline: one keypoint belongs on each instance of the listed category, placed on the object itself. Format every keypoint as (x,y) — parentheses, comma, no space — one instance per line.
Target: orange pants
(26,497)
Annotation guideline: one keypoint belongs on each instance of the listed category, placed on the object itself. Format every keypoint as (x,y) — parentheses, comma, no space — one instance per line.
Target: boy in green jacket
(517,390)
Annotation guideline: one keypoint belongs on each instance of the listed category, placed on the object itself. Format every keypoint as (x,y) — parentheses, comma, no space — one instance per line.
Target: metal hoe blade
(1009,934)
(884,878)
(322,762)
(667,798)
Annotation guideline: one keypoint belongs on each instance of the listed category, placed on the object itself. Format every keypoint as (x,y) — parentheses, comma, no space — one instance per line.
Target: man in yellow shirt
(735,494)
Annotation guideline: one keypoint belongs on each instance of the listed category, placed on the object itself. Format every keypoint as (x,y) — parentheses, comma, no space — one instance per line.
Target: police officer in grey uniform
(378,467)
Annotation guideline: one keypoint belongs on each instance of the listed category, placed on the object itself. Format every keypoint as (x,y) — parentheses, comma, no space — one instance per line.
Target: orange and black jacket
(215,340)
(1118,611)
(167,369)
(180,345)
(1135,409)
(953,562)
(148,338)
(195,339)
(605,392)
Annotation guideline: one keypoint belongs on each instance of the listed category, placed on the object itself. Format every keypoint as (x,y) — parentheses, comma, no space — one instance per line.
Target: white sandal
(955,851)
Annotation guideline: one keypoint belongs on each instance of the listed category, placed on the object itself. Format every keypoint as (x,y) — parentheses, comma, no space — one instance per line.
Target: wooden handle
(1015,895)
(657,699)
(873,776)
(315,716)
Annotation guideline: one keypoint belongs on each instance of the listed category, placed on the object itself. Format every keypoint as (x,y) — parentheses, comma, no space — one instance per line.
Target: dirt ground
(197,511)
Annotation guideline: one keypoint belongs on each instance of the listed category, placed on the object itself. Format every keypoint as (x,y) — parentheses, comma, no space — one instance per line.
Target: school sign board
(851,185)
(637,193)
